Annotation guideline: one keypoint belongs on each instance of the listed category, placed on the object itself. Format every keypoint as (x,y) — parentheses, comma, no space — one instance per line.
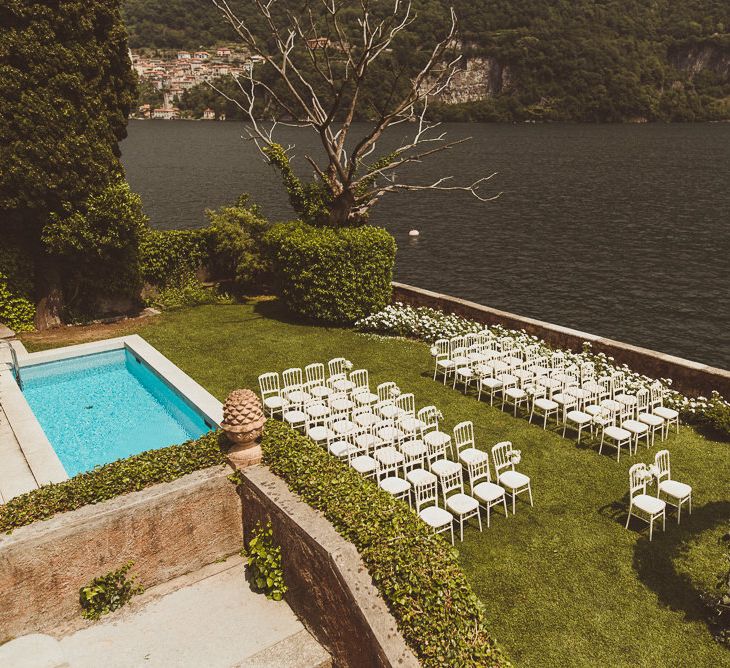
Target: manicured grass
(563,583)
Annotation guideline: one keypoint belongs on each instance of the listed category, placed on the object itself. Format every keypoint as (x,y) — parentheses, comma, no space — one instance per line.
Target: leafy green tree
(235,234)
(66,87)
(99,242)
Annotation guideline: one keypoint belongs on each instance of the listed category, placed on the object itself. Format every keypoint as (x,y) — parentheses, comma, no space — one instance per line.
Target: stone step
(208,618)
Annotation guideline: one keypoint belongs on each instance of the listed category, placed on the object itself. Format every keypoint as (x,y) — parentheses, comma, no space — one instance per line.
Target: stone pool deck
(22,469)
(207,618)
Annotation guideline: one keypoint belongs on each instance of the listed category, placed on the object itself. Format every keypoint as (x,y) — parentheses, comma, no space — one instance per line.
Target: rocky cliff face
(696,58)
(478,77)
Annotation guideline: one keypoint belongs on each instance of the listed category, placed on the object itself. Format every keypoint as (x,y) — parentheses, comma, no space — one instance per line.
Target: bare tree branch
(315,70)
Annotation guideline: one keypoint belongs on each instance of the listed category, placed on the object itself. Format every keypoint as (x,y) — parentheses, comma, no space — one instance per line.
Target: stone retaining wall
(167,530)
(329,586)
(691,378)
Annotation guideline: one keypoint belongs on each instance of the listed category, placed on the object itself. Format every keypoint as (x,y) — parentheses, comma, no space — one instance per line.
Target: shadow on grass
(275,309)
(654,562)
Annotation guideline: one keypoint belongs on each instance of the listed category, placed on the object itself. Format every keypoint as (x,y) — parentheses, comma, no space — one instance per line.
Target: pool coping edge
(42,460)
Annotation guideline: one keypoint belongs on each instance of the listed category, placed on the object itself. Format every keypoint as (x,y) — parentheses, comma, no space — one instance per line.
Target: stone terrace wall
(691,378)
(167,530)
(329,586)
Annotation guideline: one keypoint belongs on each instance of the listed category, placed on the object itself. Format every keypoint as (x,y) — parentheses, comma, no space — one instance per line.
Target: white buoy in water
(413,233)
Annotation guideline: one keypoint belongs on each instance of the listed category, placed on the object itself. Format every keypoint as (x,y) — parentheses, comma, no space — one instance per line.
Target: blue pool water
(98,408)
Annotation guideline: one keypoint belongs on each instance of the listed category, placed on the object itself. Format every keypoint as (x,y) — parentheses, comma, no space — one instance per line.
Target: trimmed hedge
(416,572)
(105,482)
(332,275)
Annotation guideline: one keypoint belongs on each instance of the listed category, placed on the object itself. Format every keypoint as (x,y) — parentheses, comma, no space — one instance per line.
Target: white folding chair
(338,381)
(293,390)
(466,450)
(513,481)
(655,423)
(361,393)
(483,489)
(460,505)
(442,359)
(316,382)
(271,397)
(437,519)
(649,507)
(389,481)
(611,434)
(676,493)
(575,418)
(669,415)
(543,406)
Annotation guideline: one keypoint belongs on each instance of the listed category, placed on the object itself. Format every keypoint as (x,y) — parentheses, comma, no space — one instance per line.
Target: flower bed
(427,324)
(416,572)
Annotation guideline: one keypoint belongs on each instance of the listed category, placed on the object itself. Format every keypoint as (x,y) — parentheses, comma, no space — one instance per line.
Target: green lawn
(564,583)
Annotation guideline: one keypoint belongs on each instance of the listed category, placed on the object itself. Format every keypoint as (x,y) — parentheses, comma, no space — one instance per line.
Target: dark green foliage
(263,564)
(66,87)
(16,307)
(99,241)
(333,275)
(108,592)
(16,311)
(416,573)
(105,482)
(230,249)
(566,60)
(169,256)
(235,244)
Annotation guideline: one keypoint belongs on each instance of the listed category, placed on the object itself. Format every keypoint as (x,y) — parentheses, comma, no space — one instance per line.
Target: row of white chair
(574,397)
(404,451)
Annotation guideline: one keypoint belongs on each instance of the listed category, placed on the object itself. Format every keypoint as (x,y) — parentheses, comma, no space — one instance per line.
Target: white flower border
(427,324)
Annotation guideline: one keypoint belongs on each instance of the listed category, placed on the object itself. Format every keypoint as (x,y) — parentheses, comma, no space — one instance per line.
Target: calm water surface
(617,230)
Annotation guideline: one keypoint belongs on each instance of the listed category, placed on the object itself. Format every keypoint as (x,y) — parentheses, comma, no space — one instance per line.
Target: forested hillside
(610,60)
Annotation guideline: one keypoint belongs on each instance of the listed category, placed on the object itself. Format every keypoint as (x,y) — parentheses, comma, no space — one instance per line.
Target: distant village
(173,73)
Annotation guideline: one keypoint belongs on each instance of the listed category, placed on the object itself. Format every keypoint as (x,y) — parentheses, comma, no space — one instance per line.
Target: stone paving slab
(15,474)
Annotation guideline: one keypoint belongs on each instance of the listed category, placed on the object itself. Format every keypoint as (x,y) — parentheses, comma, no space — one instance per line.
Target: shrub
(235,238)
(108,592)
(264,562)
(416,572)
(105,482)
(333,275)
(168,257)
(16,312)
(190,292)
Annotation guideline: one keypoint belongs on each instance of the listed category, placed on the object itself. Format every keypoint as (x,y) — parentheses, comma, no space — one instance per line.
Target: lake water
(619,230)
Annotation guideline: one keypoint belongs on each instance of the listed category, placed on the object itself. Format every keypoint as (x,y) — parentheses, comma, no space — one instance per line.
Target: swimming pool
(99,407)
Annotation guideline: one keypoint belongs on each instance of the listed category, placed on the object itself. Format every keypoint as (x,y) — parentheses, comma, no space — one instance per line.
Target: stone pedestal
(243,424)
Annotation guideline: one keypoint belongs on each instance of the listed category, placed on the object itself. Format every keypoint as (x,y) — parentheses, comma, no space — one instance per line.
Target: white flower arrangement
(648,474)
(395,392)
(429,325)
(434,351)
(439,415)
(515,456)
(347,365)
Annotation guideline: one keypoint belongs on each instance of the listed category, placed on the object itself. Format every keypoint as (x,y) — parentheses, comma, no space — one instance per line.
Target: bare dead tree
(318,61)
